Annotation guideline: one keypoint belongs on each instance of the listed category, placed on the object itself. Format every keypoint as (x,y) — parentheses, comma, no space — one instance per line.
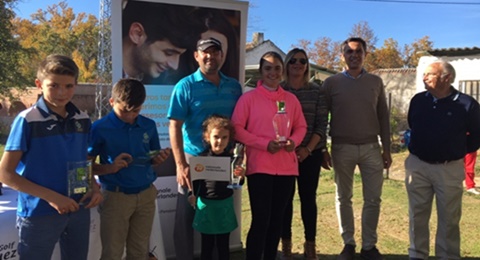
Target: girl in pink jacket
(271,165)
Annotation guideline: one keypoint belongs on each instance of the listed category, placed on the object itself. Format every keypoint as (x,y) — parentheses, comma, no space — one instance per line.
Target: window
(470,87)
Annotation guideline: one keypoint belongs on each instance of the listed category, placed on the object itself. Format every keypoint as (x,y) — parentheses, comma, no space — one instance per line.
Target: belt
(116,188)
(437,162)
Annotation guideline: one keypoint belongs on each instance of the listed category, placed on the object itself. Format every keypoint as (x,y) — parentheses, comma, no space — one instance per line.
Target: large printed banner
(154,41)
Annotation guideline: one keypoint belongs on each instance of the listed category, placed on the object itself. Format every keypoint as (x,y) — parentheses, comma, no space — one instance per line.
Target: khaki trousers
(444,181)
(126,220)
(345,158)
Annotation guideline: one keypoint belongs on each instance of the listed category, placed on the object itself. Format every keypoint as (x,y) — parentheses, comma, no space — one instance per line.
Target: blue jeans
(38,235)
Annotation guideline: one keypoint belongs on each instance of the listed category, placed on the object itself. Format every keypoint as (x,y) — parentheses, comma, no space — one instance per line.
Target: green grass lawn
(393,226)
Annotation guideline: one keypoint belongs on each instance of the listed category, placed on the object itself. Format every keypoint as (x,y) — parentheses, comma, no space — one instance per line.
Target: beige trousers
(368,158)
(425,181)
(126,221)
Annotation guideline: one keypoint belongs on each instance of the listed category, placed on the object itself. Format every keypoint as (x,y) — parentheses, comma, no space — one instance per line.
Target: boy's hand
(64,204)
(95,197)
(121,161)
(161,157)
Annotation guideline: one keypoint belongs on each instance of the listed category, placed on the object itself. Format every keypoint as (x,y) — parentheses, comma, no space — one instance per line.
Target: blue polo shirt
(111,137)
(48,141)
(194,98)
(439,127)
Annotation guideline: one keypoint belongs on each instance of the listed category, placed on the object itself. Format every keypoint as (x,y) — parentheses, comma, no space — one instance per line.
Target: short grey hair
(447,68)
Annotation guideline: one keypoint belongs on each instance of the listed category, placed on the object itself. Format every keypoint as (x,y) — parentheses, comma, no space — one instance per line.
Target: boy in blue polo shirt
(43,140)
(128,146)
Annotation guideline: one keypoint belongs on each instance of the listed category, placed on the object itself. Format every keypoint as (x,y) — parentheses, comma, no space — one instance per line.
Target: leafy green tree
(59,30)
(10,52)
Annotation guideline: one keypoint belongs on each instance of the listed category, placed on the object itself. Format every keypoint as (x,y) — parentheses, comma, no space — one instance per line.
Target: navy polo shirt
(439,127)
(111,137)
(48,142)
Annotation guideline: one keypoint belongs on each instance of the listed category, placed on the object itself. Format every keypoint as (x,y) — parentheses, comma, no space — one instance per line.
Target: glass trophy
(144,160)
(281,123)
(79,177)
(237,161)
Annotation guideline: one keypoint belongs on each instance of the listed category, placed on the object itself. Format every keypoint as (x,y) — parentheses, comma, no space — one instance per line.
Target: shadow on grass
(240,255)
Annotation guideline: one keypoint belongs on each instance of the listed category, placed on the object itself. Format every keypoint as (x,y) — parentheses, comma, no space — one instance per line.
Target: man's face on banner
(152,59)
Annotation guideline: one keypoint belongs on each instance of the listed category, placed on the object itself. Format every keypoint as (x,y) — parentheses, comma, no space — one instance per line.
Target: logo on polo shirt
(78,126)
(146,138)
(49,128)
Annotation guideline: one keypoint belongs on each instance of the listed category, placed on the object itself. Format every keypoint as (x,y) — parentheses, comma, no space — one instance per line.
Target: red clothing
(469,163)
(252,119)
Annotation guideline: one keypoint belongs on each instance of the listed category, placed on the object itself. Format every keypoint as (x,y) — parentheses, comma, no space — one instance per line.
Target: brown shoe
(287,249)
(310,251)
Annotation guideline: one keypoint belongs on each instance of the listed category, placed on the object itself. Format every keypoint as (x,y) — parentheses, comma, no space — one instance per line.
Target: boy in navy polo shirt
(43,140)
(128,146)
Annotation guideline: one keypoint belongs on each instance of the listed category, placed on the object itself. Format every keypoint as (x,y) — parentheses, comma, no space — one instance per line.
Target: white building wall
(252,57)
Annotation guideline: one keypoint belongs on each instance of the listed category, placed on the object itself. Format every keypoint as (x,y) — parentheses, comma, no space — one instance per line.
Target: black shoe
(372,254)
(348,253)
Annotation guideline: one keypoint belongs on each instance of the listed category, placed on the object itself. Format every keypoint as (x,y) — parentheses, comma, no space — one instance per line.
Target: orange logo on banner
(199,168)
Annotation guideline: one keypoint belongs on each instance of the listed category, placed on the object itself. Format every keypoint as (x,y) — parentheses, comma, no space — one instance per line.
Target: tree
(327,51)
(412,53)
(363,30)
(59,30)
(323,52)
(10,52)
(388,56)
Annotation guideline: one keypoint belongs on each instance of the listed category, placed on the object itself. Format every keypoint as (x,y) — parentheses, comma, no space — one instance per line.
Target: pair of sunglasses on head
(301,60)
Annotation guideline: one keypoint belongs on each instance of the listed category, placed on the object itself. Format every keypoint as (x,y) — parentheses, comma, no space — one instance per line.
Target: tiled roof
(455,51)
(396,70)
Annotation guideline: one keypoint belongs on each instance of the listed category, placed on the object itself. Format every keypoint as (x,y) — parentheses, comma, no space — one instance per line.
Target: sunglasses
(301,60)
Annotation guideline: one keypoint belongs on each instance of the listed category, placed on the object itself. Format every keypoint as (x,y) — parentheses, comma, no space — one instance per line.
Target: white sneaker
(473,191)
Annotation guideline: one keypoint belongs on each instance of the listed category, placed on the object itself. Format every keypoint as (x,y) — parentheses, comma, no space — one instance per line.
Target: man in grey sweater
(359,115)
